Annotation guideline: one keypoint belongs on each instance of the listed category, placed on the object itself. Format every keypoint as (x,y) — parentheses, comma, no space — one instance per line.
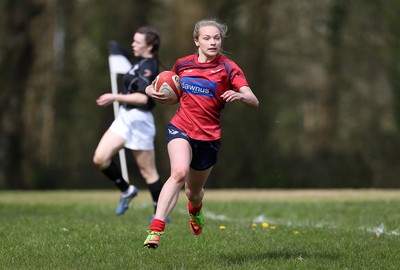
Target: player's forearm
(135,98)
(250,100)
(248,97)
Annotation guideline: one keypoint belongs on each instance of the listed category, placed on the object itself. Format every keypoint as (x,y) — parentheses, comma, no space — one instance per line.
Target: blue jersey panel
(199,87)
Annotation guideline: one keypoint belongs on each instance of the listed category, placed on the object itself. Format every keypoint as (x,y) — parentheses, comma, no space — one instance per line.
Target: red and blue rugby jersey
(202,86)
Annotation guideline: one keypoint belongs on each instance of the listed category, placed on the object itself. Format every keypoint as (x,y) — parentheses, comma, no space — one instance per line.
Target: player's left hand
(230,96)
(105,99)
(157,96)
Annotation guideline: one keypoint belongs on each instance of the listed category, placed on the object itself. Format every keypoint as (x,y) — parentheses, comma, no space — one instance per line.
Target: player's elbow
(256,104)
(253,103)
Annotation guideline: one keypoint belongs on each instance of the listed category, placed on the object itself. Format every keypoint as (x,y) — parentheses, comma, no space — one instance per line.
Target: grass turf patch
(79,230)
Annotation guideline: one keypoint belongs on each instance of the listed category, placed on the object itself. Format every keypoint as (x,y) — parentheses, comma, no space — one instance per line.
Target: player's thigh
(109,145)
(144,158)
(180,155)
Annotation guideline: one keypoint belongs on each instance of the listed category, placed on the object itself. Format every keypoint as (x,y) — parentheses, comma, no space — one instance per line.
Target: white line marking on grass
(261,219)
(212,216)
(378,231)
(217,217)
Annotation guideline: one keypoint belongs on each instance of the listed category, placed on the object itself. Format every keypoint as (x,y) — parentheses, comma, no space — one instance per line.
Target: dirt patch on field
(303,194)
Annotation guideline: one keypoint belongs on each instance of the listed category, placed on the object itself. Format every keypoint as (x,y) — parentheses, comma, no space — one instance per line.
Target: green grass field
(300,229)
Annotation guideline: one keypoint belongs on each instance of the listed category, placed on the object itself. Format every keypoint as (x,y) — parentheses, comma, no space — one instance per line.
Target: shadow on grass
(243,258)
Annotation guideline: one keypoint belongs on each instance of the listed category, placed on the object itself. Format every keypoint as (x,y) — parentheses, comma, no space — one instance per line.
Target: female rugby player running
(134,126)
(209,81)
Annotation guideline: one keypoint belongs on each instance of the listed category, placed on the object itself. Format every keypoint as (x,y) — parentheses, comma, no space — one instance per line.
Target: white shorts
(136,127)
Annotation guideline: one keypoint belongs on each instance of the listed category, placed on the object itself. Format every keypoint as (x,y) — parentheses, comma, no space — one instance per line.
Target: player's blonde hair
(207,22)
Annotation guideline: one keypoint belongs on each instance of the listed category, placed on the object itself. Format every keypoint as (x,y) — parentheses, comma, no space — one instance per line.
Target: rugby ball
(169,83)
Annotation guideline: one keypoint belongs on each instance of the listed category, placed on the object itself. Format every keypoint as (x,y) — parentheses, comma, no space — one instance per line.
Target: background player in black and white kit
(134,126)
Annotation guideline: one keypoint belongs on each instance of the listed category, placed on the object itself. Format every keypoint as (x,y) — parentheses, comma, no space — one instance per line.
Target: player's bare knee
(150,176)
(100,161)
(179,174)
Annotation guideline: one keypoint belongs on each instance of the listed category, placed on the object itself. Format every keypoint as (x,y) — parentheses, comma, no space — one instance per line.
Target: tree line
(326,74)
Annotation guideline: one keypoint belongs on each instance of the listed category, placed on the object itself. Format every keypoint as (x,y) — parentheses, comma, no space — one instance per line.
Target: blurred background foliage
(326,73)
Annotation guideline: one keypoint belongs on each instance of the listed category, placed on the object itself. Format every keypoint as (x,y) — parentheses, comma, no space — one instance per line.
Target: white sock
(128,191)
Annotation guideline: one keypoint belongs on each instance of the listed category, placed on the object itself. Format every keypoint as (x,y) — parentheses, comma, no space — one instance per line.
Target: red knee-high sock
(194,210)
(157,225)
